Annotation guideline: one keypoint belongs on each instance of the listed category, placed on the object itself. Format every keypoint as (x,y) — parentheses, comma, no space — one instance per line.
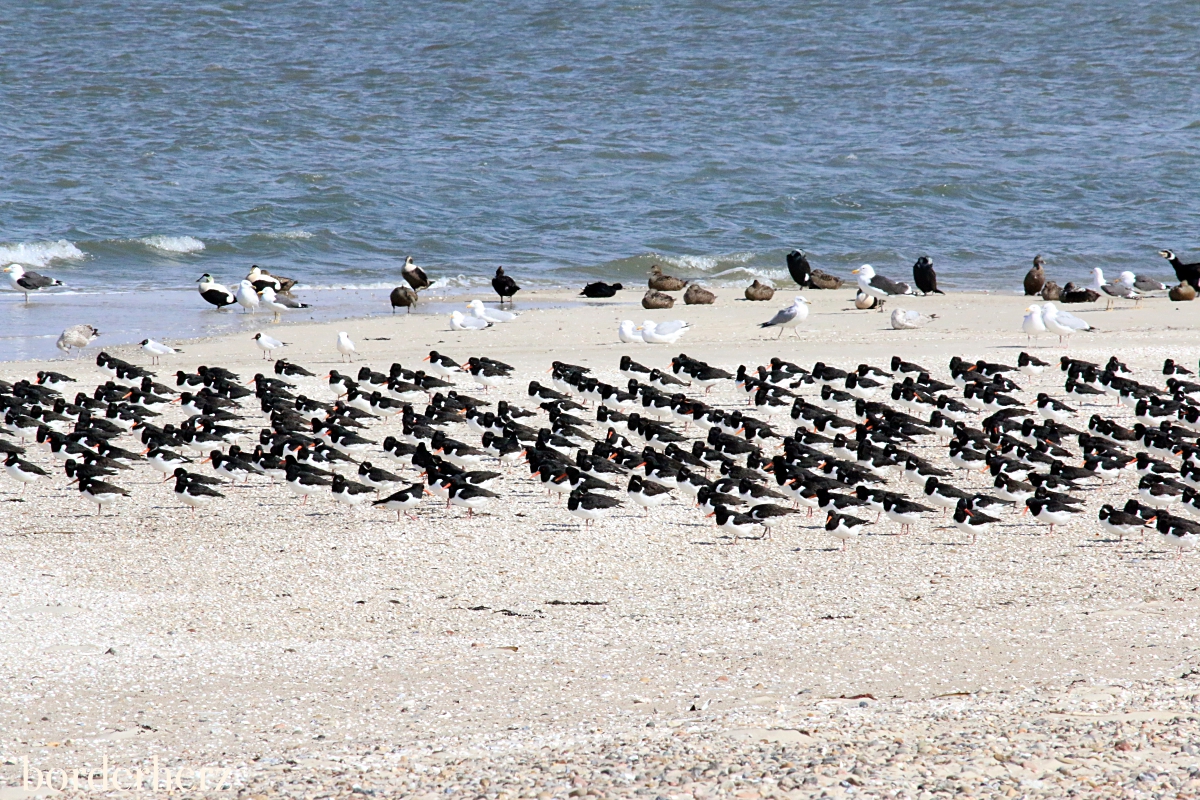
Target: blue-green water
(143,144)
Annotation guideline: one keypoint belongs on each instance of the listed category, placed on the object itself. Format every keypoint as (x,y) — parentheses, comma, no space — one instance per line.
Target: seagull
(629,333)
(77,336)
(1114,290)
(280,303)
(877,286)
(663,332)
(246,297)
(790,317)
(415,276)
(1061,323)
(490,314)
(345,346)
(215,293)
(903,320)
(267,344)
(22,281)
(1032,324)
(1141,282)
(157,350)
(461,322)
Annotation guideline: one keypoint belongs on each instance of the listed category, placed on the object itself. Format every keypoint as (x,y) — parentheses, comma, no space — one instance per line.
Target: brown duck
(1035,279)
(403,297)
(664,283)
(1182,293)
(1075,294)
(759,291)
(1051,291)
(819,279)
(655,299)
(698,296)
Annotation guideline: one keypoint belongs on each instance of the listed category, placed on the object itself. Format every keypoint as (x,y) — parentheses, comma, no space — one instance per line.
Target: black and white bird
(267,344)
(100,493)
(1051,512)
(27,281)
(157,350)
(590,507)
(925,277)
(971,521)
(647,494)
(1120,522)
(843,527)
(23,471)
(193,493)
(878,286)
(738,524)
(281,303)
(403,500)
(415,276)
(350,493)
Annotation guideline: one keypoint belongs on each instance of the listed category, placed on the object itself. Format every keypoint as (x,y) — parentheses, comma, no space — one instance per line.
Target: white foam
(705,263)
(174,244)
(39,254)
(296,234)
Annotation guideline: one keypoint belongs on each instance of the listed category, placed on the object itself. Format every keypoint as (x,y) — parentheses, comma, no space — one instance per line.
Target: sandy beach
(319,651)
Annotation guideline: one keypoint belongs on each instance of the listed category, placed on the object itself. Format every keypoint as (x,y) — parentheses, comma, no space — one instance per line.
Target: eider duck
(759,291)
(1182,293)
(1035,279)
(799,268)
(601,289)
(664,283)
(819,279)
(415,276)
(1051,292)
(504,285)
(403,297)
(654,299)
(698,296)
(1183,272)
(215,293)
(925,277)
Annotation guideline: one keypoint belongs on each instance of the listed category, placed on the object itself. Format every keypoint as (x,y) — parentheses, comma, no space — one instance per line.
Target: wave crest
(174,244)
(39,254)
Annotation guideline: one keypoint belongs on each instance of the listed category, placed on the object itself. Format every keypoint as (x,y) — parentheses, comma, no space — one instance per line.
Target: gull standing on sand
(903,320)
(490,314)
(267,344)
(663,332)
(157,350)
(22,281)
(280,303)
(630,333)
(461,322)
(345,346)
(1032,324)
(1062,323)
(77,336)
(877,286)
(246,297)
(790,317)
(1114,290)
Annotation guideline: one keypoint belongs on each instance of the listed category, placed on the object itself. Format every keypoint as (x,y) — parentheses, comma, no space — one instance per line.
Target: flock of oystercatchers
(651,440)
